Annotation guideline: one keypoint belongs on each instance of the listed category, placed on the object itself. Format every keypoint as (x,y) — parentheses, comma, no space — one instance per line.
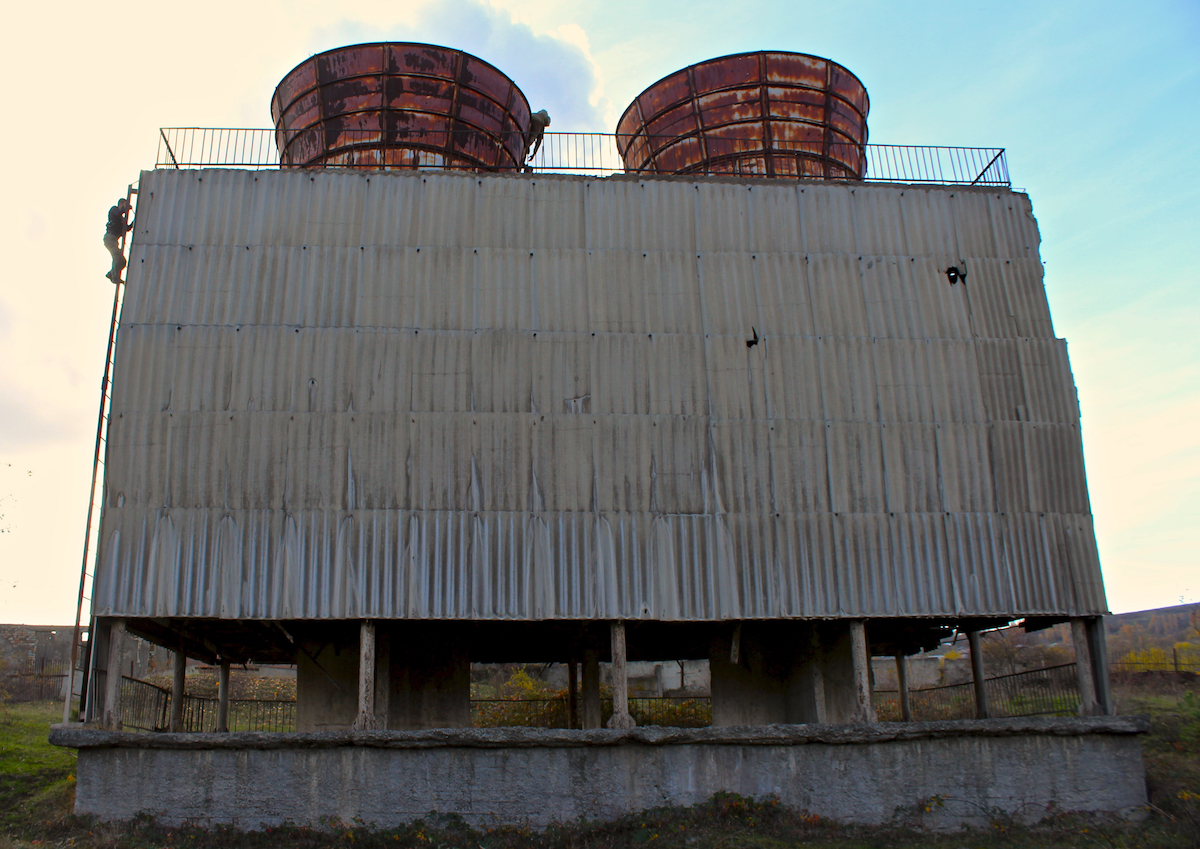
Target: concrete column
(178,683)
(1088,705)
(327,683)
(572,694)
(864,708)
(112,676)
(383,677)
(430,678)
(902,687)
(223,696)
(1098,644)
(621,717)
(978,675)
(591,690)
(91,693)
(365,720)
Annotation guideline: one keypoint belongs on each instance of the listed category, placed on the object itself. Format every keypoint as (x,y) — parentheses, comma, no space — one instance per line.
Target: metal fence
(200,714)
(144,706)
(1051,691)
(668,711)
(147,707)
(585,153)
(46,683)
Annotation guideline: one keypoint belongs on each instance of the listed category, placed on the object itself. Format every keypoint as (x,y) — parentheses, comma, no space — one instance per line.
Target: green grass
(37,780)
(37,791)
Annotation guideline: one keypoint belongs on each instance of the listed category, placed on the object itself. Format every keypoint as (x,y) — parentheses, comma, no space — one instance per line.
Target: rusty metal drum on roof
(399,105)
(765,114)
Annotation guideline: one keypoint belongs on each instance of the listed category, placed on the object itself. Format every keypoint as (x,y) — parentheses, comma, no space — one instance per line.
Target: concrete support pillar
(591,690)
(978,675)
(327,685)
(572,694)
(365,718)
(178,683)
(112,676)
(621,718)
(864,706)
(1098,644)
(806,702)
(1088,704)
(223,696)
(430,677)
(783,672)
(383,677)
(902,688)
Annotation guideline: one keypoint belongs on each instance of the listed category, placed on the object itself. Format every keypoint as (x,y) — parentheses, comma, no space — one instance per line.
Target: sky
(1097,104)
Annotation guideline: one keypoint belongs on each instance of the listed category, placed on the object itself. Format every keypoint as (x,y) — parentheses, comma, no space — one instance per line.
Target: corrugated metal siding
(461,396)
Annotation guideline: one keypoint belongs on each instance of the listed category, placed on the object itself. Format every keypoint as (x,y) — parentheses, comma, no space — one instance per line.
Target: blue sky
(1098,105)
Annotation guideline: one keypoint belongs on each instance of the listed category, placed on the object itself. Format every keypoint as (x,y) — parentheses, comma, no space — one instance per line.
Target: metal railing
(200,714)
(588,153)
(1051,691)
(667,711)
(144,706)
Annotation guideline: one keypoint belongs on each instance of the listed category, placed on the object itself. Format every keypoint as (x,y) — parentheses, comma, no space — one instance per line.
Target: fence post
(1175,657)
(978,676)
(621,717)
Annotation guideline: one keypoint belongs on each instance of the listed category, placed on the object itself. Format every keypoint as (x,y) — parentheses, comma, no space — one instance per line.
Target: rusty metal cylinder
(399,105)
(764,114)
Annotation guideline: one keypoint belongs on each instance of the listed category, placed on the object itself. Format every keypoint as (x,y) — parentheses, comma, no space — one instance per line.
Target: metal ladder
(86,574)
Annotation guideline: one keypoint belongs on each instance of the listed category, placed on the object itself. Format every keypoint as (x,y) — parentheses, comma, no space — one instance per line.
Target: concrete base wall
(859,774)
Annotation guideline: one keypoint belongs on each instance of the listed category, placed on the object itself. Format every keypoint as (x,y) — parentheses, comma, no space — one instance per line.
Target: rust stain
(399,105)
(764,114)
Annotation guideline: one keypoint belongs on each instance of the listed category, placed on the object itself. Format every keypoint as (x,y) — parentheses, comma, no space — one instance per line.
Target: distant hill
(1163,628)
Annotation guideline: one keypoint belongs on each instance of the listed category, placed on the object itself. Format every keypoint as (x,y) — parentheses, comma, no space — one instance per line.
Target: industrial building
(405,402)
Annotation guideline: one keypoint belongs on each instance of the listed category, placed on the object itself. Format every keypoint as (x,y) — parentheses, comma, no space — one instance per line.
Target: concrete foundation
(1024,768)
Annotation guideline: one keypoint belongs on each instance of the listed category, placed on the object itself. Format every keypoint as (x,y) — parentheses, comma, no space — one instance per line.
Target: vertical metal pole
(178,684)
(572,694)
(112,676)
(1088,705)
(621,718)
(864,708)
(978,676)
(591,689)
(365,721)
(223,696)
(902,687)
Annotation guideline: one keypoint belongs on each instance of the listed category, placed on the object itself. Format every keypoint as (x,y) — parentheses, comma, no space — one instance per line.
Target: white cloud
(554,69)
